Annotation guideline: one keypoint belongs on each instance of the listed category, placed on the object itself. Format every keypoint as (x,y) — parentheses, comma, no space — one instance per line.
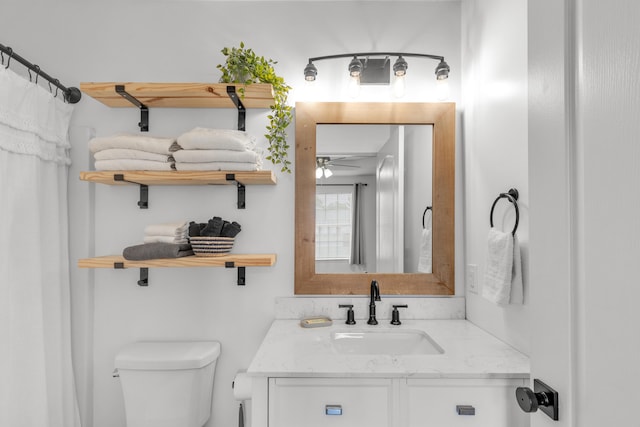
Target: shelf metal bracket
(144,110)
(242,203)
(143,203)
(241,272)
(144,273)
(242,111)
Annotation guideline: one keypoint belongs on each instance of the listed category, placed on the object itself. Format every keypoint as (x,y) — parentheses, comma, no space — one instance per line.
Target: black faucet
(375,296)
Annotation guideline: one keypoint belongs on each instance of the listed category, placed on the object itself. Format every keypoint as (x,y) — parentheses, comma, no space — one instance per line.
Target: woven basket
(211,246)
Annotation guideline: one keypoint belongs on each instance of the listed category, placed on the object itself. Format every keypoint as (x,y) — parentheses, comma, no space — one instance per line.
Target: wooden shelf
(179,95)
(238,260)
(180,177)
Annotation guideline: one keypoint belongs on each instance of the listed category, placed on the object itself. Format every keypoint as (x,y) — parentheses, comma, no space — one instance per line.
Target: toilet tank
(167,384)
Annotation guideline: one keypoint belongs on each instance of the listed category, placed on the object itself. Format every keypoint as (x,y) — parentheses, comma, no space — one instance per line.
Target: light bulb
(327,173)
(398,86)
(354,87)
(442,89)
(318,173)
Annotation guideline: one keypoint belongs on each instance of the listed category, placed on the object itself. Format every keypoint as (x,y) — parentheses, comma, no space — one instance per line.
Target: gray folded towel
(156,250)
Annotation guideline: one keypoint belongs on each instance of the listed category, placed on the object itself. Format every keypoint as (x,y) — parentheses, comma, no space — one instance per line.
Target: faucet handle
(395,314)
(350,314)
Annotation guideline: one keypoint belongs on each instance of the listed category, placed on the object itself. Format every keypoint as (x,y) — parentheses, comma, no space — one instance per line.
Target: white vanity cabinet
(301,379)
(394,402)
(461,403)
(319,402)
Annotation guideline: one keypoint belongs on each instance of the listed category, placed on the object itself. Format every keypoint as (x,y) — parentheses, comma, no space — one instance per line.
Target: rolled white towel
(180,228)
(217,166)
(203,156)
(132,164)
(126,153)
(133,142)
(216,139)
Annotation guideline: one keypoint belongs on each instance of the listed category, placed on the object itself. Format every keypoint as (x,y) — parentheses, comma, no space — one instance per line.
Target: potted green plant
(242,65)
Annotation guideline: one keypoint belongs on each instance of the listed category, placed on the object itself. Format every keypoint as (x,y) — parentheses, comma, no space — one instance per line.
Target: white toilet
(167,384)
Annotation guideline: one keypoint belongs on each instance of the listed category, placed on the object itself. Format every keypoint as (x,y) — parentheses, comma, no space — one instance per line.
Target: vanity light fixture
(367,68)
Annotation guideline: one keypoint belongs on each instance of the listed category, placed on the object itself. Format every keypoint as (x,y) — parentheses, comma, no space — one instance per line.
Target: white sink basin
(384,341)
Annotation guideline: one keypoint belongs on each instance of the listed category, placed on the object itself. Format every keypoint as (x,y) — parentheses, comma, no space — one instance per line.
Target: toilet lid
(167,355)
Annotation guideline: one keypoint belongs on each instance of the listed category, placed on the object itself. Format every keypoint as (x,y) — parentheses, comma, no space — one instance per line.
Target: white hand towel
(173,229)
(132,164)
(517,287)
(499,272)
(126,153)
(203,156)
(217,166)
(165,239)
(424,258)
(216,139)
(132,142)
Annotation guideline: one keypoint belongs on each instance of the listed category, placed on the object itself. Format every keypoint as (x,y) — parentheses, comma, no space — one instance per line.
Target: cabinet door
(329,402)
(485,403)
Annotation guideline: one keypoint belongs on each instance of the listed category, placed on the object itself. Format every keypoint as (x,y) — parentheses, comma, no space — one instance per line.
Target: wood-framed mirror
(441,117)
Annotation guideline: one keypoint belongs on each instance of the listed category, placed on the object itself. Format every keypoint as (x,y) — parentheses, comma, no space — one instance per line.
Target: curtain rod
(71,94)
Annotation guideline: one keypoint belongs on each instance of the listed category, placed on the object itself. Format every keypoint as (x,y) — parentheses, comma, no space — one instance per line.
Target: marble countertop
(288,350)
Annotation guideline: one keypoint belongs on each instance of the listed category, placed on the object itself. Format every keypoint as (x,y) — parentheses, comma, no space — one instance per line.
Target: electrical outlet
(472,278)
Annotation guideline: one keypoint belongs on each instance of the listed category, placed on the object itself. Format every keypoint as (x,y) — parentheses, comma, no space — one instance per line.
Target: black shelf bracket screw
(143,201)
(144,110)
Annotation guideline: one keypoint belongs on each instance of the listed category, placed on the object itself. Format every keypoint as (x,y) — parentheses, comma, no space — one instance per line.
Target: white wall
(180,42)
(494,137)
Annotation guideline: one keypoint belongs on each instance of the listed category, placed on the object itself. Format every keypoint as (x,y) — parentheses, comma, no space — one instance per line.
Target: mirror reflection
(373,198)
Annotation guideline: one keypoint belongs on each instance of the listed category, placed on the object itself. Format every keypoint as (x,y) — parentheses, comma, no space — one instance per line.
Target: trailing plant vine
(244,66)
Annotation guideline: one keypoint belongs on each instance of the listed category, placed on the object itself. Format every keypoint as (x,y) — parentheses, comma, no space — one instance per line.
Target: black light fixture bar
(71,94)
(349,55)
(358,69)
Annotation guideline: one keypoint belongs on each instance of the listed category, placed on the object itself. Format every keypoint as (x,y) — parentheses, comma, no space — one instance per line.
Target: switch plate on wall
(472,278)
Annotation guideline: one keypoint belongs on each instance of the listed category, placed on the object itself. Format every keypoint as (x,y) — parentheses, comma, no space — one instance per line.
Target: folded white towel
(165,239)
(503,268)
(173,229)
(217,166)
(424,257)
(132,164)
(216,139)
(126,153)
(203,156)
(133,142)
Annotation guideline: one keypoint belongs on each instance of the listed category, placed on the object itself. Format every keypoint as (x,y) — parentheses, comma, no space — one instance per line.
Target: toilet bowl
(167,384)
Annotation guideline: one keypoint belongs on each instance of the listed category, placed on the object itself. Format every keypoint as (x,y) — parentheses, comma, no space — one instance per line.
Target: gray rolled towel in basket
(156,250)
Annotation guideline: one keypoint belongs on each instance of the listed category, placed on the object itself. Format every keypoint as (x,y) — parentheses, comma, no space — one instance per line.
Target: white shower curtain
(36,377)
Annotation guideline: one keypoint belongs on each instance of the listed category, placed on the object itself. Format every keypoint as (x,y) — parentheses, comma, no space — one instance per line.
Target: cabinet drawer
(433,403)
(329,402)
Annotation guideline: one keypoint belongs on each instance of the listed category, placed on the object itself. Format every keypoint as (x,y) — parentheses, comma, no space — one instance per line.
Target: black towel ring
(512,196)
(429,208)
